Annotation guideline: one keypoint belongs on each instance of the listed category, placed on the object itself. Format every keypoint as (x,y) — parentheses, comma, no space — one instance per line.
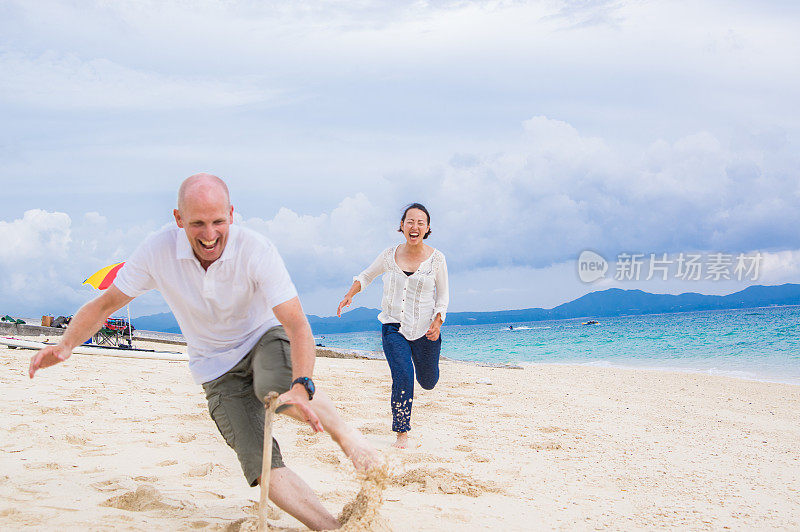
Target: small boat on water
(590,322)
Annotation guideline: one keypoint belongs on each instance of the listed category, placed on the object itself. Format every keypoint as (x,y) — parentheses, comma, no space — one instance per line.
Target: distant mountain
(615,301)
(358,319)
(611,302)
(164,322)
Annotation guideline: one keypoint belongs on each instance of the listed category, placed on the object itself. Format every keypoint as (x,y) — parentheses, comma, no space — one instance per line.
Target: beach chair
(114,332)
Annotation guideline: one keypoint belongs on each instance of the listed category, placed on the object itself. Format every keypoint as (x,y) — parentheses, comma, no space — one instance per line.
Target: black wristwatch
(307,383)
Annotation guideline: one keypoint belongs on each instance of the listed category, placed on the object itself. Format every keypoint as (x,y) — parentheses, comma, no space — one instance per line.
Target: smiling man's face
(204,212)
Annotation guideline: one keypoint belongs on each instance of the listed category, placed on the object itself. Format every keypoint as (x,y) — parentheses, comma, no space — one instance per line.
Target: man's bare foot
(363,455)
(402,441)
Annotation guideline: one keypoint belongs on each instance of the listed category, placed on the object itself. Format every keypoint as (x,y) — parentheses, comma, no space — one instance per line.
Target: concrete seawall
(28,330)
(13,329)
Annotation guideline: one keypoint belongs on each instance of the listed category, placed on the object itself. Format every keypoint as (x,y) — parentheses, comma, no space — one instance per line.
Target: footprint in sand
(167,463)
(272,512)
(74,411)
(186,438)
(373,428)
(142,478)
(463,448)
(43,465)
(75,439)
(108,485)
(145,498)
(441,480)
(200,470)
(242,525)
(475,457)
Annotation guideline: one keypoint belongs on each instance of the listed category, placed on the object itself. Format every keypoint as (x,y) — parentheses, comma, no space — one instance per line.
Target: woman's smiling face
(415,226)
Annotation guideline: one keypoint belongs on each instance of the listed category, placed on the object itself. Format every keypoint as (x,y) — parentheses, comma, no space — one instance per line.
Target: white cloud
(563,192)
(585,58)
(37,235)
(64,81)
(46,257)
(327,249)
(780,267)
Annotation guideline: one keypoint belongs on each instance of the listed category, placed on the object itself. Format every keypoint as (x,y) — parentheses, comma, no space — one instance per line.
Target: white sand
(104,443)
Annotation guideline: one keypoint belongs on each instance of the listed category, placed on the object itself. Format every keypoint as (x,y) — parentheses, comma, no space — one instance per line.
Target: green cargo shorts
(235,400)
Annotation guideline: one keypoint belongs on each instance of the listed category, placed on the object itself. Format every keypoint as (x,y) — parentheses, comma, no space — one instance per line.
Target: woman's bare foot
(402,441)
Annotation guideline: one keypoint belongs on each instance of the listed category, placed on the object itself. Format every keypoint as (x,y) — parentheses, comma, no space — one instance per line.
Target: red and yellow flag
(102,278)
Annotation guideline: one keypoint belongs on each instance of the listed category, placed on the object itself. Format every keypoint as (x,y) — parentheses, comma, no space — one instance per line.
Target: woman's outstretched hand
(344,303)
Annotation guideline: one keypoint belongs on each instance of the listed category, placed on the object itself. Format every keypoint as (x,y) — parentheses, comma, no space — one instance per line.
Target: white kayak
(102,351)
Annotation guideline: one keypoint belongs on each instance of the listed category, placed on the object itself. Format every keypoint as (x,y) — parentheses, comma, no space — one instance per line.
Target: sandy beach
(101,443)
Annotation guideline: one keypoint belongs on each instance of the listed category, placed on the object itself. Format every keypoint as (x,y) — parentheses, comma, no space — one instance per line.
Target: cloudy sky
(532,130)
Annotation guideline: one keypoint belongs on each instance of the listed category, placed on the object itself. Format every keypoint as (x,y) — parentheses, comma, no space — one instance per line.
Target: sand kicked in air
(363,512)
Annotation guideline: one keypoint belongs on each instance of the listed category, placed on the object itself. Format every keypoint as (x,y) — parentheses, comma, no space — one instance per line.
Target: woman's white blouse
(414,300)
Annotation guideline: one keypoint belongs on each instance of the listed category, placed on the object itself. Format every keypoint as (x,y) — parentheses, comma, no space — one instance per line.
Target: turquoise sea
(761,343)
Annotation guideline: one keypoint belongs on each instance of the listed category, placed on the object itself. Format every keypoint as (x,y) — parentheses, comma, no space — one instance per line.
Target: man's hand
(291,316)
(298,397)
(49,356)
(83,325)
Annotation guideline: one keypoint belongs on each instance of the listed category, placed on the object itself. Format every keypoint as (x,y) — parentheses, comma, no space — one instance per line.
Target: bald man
(245,331)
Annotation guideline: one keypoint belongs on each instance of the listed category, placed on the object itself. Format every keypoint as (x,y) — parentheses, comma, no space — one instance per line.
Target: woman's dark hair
(421,207)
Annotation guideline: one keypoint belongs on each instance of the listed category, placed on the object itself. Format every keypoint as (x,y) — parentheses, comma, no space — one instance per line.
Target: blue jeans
(404,357)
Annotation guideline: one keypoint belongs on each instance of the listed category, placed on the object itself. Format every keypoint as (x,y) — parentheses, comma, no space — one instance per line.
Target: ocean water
(761,343)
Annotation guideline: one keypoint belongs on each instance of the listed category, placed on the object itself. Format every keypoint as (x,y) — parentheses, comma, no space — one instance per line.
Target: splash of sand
(363,512)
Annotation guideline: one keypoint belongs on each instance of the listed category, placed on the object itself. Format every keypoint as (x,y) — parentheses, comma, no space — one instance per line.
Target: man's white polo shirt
(223,311)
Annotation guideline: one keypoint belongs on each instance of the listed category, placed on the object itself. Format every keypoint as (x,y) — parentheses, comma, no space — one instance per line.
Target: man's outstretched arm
(304,353)
(83,325)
